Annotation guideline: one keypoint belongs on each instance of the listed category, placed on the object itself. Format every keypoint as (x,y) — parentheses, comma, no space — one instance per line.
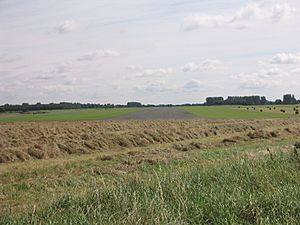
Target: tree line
(231,100)
(26,107)
(250,100)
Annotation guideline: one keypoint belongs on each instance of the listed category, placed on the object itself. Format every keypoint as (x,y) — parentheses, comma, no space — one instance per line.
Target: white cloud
(58,88)
(190,67)
(266,78)
(133,67)
(280,11)
(100,53)
(67,26)
(61,68)
(286,58)
(59,71)
(272,72)
(255,84)
(206,65)
(209,21)
(193,84)
(155,87)
(296,70)
(153,72)
(4,58)
(241,18)
(48,77)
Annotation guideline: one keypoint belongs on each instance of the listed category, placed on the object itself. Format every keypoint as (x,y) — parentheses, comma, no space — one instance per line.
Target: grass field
(241,112)
(67,115)
(150,172)
(229,185)
(209,112)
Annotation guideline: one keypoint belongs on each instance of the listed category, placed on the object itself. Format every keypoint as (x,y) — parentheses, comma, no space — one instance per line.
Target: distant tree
(134,104)
(263,100)
(289,99)
(214,101)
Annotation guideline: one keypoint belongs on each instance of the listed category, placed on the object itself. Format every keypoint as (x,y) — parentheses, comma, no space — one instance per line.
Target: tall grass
(264,191)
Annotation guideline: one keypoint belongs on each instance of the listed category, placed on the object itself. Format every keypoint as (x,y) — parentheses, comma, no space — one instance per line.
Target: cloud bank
(241,18)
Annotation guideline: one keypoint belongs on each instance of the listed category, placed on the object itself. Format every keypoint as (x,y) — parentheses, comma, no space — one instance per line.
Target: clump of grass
(260,191)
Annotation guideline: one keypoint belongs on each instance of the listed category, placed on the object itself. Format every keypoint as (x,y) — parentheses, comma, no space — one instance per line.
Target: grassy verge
(229,185)
(67,115)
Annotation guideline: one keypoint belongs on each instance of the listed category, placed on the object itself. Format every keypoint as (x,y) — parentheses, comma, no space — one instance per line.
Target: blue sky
(150,51)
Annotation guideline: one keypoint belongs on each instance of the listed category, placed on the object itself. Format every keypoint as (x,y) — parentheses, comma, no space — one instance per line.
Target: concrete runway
(161,113)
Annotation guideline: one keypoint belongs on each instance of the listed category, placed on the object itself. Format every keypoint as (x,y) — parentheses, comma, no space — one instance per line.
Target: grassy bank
(229,185)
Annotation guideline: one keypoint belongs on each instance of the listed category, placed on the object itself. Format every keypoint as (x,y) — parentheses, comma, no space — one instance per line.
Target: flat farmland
(243,112)
(150,172)
(187,165)
(159,113)
(66,115)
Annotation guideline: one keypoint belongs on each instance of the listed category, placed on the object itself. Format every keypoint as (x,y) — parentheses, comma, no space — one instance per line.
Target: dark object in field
(271,154)
(296,153)
(106,158)
(261,110)
(297,145)
(33,113)
(297,112)
(247,108)
(282,110)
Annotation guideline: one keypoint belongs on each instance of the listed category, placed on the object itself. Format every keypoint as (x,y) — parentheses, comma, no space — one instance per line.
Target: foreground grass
(230,185)
(233,112)
(67,115)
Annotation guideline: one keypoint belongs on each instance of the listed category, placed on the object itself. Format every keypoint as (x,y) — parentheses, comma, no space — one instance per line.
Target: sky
(152,51)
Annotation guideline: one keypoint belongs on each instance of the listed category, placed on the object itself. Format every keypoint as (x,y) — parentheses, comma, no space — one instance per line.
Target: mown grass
(231,185)
(233,112)
(67,115)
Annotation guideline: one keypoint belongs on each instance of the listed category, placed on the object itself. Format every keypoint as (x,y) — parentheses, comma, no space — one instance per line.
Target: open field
(179,113)
(150,172)
(242,112)
(66,115)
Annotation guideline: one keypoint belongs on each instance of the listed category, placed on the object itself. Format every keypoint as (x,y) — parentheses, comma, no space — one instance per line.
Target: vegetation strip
(27,141)
(241,184)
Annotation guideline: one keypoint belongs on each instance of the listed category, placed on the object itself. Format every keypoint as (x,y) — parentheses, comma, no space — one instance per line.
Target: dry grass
(27,141)
(74,157)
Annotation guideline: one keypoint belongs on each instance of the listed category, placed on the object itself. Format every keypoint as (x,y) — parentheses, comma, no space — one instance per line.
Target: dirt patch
(27,141)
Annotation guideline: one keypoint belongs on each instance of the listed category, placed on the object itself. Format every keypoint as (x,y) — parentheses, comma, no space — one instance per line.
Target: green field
(66,115)
(210,112)
(241,112)
(228,185)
